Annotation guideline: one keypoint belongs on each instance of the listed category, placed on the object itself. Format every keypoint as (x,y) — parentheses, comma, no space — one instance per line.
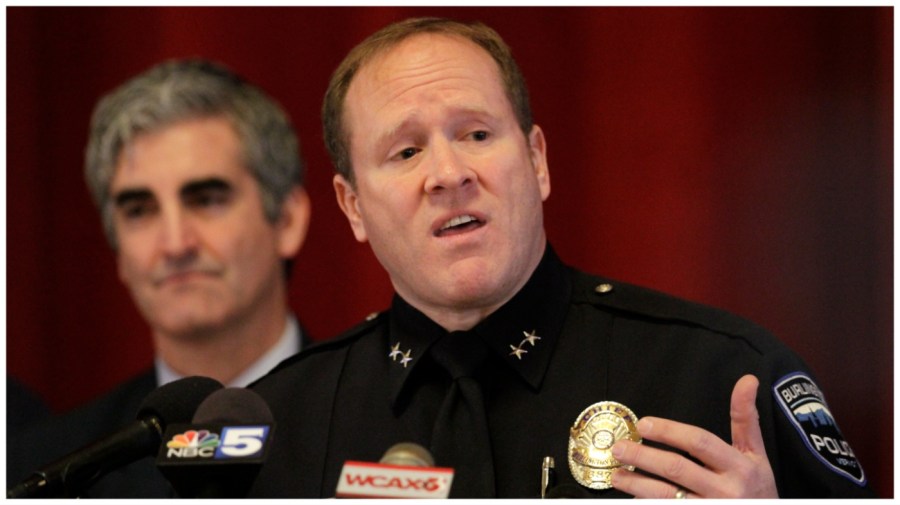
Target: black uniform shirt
(566,341)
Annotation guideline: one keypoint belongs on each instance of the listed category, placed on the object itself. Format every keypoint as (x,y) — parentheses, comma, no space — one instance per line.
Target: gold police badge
(591,439)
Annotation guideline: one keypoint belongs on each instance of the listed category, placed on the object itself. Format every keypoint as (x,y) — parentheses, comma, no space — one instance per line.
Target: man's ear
(537,146)
(348,200)
(294,222)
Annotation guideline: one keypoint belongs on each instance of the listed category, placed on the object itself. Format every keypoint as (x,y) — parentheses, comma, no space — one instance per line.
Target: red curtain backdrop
(740,157)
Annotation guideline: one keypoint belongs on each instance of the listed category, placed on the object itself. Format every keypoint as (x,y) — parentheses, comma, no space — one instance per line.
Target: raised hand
(739,470)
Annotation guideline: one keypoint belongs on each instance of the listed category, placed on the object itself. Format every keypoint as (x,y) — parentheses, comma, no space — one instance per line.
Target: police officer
(494,354)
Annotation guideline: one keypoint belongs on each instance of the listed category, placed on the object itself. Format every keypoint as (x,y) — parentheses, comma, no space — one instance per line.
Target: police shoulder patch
(804,404)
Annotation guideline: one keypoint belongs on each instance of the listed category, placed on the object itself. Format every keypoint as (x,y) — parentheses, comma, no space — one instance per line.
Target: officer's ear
(348,200)
(537,147)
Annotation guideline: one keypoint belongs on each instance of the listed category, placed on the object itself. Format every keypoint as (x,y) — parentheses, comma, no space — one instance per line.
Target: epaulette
(641,302)
(337,342)
(360,329)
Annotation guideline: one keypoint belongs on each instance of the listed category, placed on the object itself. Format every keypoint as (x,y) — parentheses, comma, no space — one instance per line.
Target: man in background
(198,178)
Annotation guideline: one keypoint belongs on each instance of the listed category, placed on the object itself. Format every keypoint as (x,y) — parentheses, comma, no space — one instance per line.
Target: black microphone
(405,471)
(219,454)
(71,475)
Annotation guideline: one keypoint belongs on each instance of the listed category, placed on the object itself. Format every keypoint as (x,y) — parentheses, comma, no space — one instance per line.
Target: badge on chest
(591,439)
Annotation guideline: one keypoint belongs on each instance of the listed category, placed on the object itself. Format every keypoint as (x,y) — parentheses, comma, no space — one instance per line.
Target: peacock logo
(193,444)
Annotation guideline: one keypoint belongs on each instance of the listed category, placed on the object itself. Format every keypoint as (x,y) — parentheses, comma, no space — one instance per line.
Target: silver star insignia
(532,337)
(517,351)
(406,358)
(395,351)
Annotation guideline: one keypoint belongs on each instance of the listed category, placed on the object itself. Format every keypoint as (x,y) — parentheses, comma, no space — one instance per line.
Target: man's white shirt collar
(287,346)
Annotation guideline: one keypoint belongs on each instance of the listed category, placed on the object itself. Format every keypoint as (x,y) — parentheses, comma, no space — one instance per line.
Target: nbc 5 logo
(241,441)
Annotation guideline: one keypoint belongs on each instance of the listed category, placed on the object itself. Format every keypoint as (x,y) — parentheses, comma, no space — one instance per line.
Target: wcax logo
(232,442)
(375,480)
(193,444)
(805,406)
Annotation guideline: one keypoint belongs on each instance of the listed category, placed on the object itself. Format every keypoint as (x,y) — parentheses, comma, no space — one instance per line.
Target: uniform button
(372,316)
(603,288)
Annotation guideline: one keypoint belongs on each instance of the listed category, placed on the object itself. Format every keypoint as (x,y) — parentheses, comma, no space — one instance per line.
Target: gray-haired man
(199,182)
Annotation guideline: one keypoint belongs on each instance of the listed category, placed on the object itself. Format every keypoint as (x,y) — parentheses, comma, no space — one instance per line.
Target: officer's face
(195,249)
(448,190)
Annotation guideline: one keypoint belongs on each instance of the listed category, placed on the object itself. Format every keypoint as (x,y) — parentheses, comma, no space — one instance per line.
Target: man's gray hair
(180,90)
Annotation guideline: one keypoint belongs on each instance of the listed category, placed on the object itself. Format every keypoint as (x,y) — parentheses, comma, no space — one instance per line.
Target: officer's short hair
(337,138)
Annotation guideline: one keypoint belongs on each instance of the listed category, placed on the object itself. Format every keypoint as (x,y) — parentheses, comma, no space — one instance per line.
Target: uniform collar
(522,333)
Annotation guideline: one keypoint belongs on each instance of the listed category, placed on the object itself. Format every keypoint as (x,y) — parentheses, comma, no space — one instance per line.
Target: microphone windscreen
(177,401)
(234,406)
(407,454)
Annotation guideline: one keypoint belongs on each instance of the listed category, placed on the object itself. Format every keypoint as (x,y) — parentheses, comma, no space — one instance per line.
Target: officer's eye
(480,136)
(408,153)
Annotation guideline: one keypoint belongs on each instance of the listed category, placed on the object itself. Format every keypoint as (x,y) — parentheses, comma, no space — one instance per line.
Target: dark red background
(740,157)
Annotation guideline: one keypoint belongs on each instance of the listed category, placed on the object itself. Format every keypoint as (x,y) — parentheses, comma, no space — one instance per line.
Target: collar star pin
(395,351)
(530,338)
(406,358)
(517,351)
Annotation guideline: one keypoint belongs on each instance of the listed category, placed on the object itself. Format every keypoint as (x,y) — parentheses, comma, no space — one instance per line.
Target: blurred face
(448,190)
(195,249)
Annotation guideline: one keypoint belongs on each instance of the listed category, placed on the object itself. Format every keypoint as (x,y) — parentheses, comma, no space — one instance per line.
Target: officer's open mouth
(459,224)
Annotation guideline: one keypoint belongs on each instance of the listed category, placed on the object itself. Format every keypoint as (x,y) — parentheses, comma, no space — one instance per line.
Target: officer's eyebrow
(460,114)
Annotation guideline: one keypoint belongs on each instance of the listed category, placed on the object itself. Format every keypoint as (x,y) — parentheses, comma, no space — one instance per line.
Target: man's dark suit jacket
(58,436)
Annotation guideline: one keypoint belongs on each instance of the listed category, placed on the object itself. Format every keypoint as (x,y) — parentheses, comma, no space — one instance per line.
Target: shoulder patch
(804,405)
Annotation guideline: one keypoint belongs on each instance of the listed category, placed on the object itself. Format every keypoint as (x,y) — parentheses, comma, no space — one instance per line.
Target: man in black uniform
(494,354)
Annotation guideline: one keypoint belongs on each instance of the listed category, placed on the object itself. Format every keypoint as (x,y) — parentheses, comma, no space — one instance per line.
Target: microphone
(219,454)
(405,471)
(72,474)
(407,454)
